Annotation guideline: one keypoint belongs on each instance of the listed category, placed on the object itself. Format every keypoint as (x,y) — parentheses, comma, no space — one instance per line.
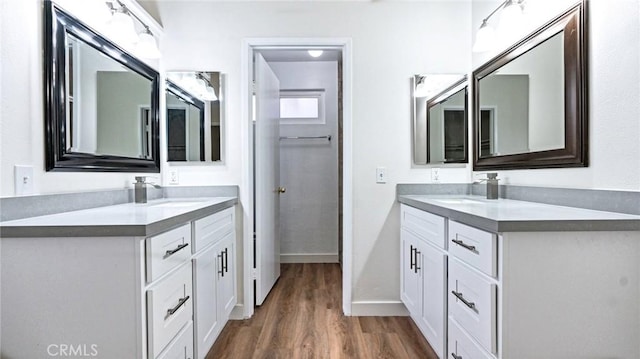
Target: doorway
(307,138)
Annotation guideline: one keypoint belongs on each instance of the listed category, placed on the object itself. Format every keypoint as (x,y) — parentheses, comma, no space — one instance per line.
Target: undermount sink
(458,201)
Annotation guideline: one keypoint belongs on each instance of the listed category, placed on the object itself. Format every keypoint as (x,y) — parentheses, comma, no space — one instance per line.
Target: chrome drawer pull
(458,295)
(464,245)
(171,252)
(181,302)
(456,356)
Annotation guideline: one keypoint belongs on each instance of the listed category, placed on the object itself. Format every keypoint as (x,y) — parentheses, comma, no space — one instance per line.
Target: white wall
(614,89)
(391,42)
(309,168)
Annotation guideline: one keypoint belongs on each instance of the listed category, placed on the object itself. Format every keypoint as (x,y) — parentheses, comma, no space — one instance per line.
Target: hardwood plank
(302,318)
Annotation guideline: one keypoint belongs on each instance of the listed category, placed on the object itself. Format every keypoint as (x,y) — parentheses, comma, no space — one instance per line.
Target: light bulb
(189,81)
(315,53)
(485,38)
(122,29)
(147,46)
(211,94)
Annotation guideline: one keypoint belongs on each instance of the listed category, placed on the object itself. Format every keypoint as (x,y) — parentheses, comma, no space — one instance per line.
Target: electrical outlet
(435,175)
(381,175)
(174,176)
(23,180)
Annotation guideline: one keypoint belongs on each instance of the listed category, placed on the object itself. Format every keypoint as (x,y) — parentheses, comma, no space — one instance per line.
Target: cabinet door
(410,283)
(432,263)
(226,277)
(207,322)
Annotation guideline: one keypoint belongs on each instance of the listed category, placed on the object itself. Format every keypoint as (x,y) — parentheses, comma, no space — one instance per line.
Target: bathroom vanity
(154,280)
(514,279)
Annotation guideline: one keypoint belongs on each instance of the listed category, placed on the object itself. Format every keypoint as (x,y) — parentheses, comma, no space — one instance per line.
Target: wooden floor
(302,318)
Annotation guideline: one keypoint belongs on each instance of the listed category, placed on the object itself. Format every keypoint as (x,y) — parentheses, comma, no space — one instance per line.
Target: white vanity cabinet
(214,277)
(119,296)
(538,290)
(423,273)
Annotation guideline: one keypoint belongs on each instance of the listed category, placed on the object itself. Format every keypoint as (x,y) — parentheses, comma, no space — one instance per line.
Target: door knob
(282,190)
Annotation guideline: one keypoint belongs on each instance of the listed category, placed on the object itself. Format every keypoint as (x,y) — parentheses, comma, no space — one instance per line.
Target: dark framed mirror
(101,103)
(195,118)
(530,101)
(185,125)
(439,119)
(447,125)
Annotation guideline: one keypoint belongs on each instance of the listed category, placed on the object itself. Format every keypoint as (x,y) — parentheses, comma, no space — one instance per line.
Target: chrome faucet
(140,189)
(492,185)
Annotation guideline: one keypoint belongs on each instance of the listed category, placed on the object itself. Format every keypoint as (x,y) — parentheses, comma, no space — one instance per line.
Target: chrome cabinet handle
(181,302)
(225,262)
(171,252)
(412,263)
(221,271)
(416,268)
(458,295)
(464,245)
(456,356)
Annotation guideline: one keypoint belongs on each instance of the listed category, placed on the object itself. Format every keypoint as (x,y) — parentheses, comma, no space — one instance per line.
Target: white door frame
(247,189)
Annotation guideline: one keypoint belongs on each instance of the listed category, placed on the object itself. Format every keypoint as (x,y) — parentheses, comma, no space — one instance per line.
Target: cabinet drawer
(424,224)
(472,303)
(213,228)
(167,250)
(461,346)
(182,346)
(474,246)
(169,308)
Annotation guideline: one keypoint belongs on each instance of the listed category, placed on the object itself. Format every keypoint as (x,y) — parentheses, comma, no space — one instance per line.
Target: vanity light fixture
(315,53)
(207,92)
(511,18)
(196,83)
(122,28)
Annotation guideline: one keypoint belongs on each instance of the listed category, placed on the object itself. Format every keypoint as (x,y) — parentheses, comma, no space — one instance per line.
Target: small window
(301,107)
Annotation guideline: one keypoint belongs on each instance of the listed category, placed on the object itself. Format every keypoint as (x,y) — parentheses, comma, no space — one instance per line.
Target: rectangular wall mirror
(530,104)
(194,116)
(439,119)
(101,104)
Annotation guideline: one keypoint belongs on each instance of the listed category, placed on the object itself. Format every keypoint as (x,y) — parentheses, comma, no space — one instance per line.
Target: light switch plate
(435,175)
(381,175)
(23,180)
(174,176)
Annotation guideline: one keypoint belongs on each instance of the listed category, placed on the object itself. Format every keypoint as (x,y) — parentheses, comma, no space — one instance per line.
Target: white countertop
(504,215)
(134,219)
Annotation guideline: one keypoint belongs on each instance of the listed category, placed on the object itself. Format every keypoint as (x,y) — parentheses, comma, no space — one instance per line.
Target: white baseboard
(379,309)
(309,258)
(237,313)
